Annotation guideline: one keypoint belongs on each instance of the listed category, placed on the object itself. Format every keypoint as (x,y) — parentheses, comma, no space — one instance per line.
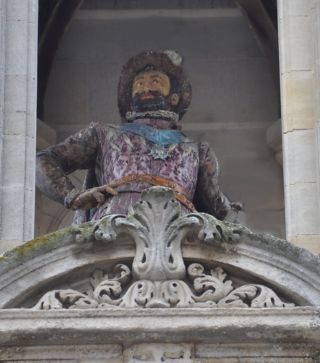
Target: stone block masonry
(18,99)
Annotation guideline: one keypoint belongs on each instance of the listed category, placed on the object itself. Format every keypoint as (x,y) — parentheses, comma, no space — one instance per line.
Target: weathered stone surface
(214,264)
(299,69)
(18,91)
(256,265)
(274,335)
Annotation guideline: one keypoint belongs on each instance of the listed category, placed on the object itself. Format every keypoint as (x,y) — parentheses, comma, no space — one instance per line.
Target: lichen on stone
(48,242)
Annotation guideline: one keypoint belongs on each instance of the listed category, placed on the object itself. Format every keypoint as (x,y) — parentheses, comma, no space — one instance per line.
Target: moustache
(149,101)
(149,94)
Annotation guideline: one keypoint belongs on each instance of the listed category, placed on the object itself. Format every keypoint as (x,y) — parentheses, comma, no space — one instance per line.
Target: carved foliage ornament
(159,277)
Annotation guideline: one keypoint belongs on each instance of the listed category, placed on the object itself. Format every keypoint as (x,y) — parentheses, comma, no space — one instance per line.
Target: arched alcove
(235,91)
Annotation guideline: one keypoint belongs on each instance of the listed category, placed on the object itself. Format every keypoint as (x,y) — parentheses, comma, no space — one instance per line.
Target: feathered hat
(168,62)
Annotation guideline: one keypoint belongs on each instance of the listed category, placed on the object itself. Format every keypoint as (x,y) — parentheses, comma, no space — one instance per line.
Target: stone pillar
(316,80)
(18,94)
(298,40)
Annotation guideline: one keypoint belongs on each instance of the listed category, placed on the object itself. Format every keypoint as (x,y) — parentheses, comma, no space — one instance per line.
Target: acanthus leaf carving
(159,277)
(210,229)
(256,296)
(108,287)
(213,286)
(199,290)
(108,228)
(65,299)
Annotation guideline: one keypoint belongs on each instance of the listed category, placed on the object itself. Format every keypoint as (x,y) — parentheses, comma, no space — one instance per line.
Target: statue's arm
(56,162)
(208,196)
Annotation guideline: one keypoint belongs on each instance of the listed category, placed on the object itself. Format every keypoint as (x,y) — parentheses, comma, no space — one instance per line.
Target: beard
(157,102)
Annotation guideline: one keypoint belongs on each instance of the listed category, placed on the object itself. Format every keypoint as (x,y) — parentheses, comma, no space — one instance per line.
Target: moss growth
(50,241)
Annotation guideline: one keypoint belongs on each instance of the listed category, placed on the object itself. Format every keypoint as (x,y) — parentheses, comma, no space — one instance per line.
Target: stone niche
(159,286)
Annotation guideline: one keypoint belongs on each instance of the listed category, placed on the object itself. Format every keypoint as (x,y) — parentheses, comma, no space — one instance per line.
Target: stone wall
(18,99)
(299,67)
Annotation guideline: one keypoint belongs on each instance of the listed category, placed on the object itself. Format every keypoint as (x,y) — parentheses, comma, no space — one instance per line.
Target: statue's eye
(155,81)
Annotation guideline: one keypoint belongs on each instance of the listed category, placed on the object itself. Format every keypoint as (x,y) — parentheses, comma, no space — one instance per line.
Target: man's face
(151,91)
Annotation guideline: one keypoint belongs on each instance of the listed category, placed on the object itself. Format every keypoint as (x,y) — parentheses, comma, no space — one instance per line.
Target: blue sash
(157,136)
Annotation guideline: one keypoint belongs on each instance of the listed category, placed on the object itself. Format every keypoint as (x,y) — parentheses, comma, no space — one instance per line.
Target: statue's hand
(91,198)
(237,206)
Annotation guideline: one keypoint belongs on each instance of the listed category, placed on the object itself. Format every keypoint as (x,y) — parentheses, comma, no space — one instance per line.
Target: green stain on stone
(49,242)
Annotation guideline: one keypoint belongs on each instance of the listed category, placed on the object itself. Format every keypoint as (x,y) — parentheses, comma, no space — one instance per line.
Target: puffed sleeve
(208,197)
(56,162)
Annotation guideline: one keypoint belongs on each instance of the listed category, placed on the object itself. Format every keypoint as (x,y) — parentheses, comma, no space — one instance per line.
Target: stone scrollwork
(209,287)
(65,299)
(199,289)
(159,277)
(211,230)
(107,288)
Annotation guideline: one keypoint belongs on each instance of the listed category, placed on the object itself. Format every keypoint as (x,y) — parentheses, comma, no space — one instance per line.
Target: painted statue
(147,148)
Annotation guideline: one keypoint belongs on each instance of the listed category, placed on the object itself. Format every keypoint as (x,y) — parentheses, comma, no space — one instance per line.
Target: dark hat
(168,62)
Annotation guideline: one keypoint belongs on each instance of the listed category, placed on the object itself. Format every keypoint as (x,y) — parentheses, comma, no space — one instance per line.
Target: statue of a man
(147,149)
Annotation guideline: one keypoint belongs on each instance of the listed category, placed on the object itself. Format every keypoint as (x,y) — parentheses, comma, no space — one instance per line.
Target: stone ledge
(28,327)
(165,352)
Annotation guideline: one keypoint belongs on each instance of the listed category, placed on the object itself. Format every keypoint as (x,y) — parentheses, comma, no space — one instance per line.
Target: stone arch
(70,256)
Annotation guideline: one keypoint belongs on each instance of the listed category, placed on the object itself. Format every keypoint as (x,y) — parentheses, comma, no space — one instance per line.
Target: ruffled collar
(161,119)
(155,123)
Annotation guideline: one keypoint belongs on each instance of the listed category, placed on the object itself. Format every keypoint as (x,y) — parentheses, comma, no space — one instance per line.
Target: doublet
(111,153)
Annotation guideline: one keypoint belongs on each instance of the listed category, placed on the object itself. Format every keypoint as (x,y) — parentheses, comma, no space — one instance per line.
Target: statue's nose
(146,88)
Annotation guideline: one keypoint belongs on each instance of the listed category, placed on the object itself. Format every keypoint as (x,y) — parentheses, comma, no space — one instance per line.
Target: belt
(180,192)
